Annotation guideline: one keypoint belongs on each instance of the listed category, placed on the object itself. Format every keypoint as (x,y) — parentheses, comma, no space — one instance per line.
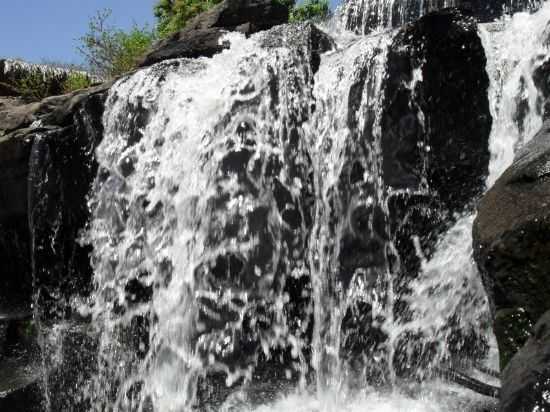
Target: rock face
(512,244)
(46,152)
(526,379)
(26,129)
(201,36)
(435,152)
(434,66)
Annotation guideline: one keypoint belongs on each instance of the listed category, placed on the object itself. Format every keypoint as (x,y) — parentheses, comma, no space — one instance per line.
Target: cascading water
(230,189)
(363,16)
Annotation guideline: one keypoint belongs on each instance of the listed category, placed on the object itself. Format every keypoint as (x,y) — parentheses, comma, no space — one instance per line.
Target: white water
(363,16)
(161,221)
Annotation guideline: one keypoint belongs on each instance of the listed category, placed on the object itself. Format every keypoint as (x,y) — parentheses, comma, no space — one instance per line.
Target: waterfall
(228,192)
(363,16)
(516,104)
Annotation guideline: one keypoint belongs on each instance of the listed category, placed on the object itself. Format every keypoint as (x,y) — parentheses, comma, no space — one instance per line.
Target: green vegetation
(36,83)
(110,51)
(32,85)
(310,10)
(75,81)
(173,15)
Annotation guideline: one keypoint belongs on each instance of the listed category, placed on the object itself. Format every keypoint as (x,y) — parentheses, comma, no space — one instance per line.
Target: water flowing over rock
(271,211)
(47,171)
(363,16)
(262,234)
(509,243)
(512,245)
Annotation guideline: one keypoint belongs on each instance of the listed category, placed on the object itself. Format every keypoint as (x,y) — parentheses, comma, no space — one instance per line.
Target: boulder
(61,123)
(435,125)
(62,168)
(201,36)
(435,131)
(512,244)
(437,121)
(526,379)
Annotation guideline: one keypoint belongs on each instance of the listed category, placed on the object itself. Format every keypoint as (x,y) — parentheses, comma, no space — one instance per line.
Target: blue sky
(37,30)
(47,29)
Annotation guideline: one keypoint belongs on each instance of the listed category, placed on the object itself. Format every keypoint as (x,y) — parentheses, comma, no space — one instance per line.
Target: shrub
(110,51)
(32,85)
(76,81)
(314,10)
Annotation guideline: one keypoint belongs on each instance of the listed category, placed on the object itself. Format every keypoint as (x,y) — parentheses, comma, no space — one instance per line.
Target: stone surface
(526,379)
(435,127)
(202,35)
(512,244)
(62,124)
(62,168)
(434,66)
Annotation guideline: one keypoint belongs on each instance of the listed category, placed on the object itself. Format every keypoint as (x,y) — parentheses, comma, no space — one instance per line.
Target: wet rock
(62,168)
(20,387)
(201,36)
(488,10)
(62,124)
(526,379)
(15,272)
(435,132)
(512,244)
(437,121)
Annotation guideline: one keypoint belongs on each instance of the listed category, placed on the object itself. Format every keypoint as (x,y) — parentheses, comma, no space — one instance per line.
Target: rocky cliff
(373,201)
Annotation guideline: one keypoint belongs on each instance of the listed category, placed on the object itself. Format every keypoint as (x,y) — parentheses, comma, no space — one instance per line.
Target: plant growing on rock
(76,81)
(110,51)
(173,15)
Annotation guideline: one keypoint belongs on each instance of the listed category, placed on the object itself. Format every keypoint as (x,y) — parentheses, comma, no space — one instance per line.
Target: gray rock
(526,379)
(512,244)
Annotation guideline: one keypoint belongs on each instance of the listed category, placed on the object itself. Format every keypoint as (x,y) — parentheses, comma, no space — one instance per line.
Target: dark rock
(201,36)
(526,379)
(47,156)
(434,158)
(541,78)
(435,125)
(20,387)
(512,244)
(70,126)
(15,267)
(62,168)
(16,114)
(488,10)
(8,90)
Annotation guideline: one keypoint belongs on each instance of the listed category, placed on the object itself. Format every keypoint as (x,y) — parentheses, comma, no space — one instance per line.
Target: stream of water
(220,211)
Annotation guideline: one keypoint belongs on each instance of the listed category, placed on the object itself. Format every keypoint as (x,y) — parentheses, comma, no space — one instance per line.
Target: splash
(229,190)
